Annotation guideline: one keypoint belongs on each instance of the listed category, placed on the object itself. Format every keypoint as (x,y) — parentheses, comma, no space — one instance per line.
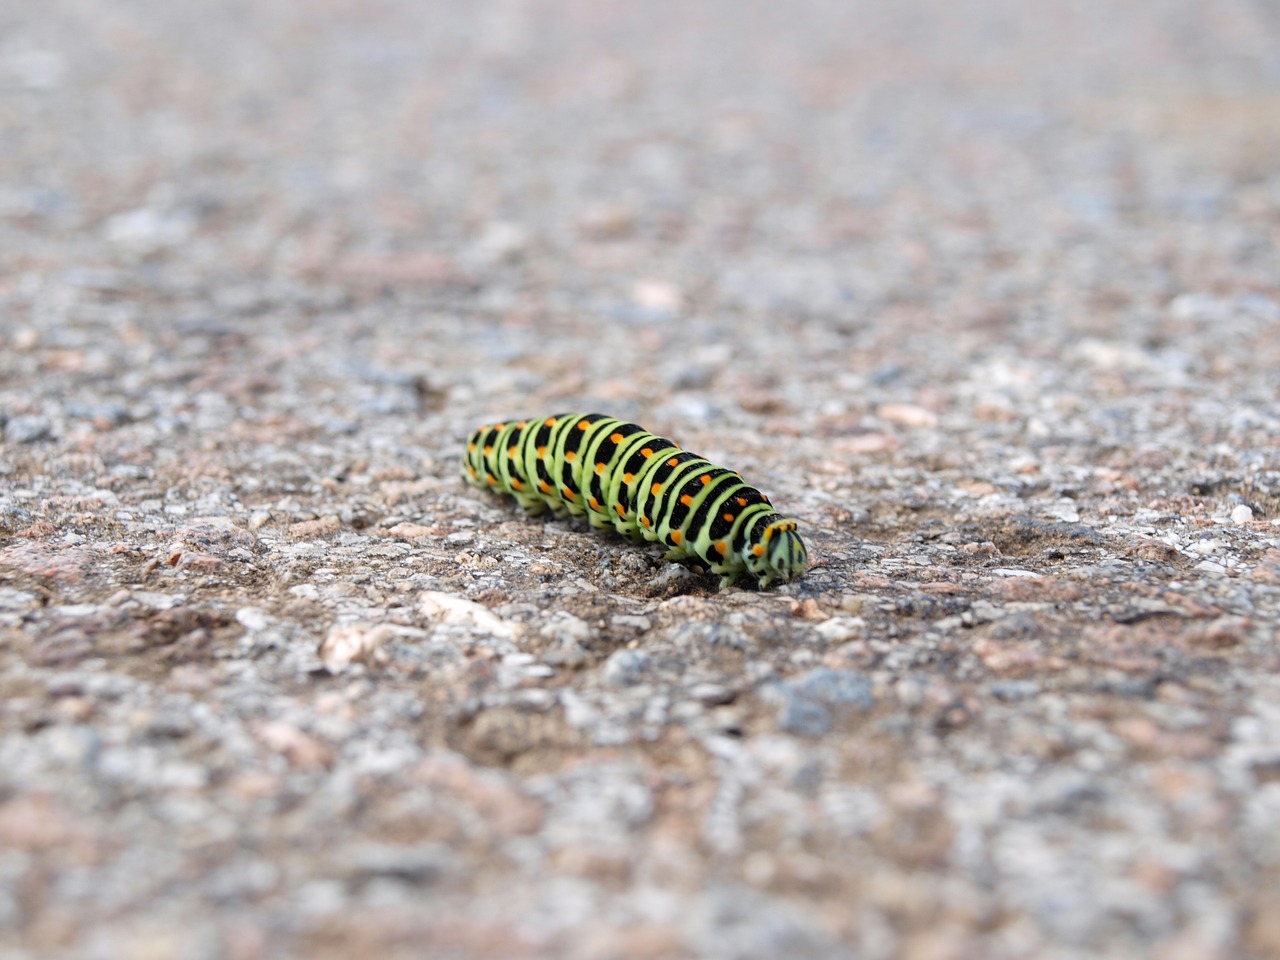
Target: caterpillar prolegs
(618,475)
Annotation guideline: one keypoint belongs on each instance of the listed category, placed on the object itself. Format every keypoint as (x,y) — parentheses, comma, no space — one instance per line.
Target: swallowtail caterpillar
(618,475)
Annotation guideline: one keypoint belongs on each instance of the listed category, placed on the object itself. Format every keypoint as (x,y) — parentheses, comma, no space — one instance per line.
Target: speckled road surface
(985,295)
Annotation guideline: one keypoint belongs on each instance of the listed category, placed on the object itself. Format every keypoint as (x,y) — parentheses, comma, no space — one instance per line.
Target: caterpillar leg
(532,505)
(729,574)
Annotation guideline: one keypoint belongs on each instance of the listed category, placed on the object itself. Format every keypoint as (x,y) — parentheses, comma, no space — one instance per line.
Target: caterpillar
(618,475)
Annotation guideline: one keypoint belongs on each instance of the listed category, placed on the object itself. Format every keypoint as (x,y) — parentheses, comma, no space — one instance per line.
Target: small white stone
(565,628)
(535,698)
(842,629)
(907,415)
(711,693)
(624,621)
(354,643)
(1241,514)
(251,618)
(439,607)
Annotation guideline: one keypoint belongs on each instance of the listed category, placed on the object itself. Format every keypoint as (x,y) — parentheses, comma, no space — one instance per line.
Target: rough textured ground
(986,295)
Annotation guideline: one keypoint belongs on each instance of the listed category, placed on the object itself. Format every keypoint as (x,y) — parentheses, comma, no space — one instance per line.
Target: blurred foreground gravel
(985,294)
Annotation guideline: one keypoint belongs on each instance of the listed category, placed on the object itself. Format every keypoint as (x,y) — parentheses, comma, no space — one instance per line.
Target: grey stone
(802,717)
(626,667)
(27,428)
(834,687)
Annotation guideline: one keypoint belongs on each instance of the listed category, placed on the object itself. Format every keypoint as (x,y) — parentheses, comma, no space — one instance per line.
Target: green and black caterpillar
(617,474)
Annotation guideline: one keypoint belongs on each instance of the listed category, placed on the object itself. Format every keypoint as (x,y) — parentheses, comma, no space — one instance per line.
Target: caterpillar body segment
(620,476)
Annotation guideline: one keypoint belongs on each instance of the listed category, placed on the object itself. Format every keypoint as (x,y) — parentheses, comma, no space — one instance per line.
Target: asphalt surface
(985,296)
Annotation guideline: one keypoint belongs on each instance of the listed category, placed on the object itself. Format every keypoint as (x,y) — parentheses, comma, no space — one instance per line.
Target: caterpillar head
(775,553)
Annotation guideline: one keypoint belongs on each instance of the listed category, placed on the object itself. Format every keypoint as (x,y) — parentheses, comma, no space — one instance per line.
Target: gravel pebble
(626,667)
(27,429)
